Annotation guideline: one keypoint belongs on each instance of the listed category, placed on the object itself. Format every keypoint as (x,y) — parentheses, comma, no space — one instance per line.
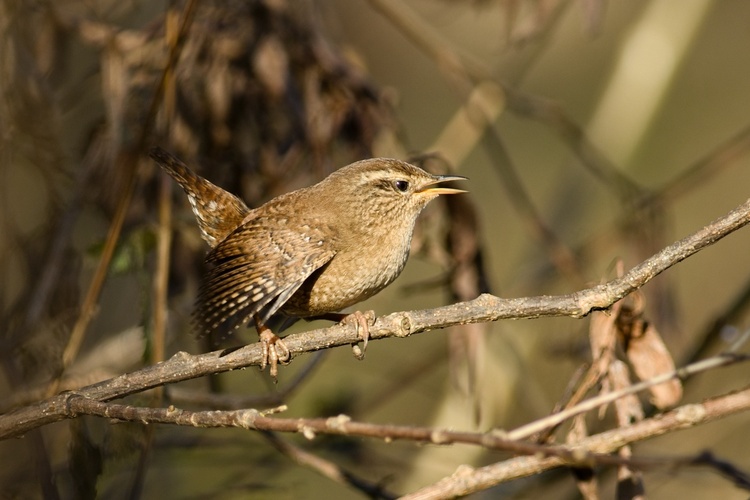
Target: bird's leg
(275,350)
(362,320)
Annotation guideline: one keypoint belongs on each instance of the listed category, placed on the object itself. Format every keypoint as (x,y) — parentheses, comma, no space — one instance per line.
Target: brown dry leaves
(257,89)
(623,341)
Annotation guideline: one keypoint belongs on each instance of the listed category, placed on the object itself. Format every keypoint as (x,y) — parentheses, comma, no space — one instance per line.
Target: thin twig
(532,428)
(467,74)
(224,401)
(325,467)
(464,68)
(129,164)
(701,170)
(721,157)
(173,29)
(711,334)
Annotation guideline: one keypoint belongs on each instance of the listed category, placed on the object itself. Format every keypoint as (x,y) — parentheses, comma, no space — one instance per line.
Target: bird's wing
(256,269)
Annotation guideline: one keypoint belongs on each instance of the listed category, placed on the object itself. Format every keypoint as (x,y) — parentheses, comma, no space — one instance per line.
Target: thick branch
(183,366)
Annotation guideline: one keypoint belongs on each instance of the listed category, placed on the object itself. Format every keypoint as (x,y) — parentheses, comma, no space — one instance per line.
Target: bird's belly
(343,283)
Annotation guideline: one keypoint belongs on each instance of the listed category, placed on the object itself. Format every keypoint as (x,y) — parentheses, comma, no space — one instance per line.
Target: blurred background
(592,132)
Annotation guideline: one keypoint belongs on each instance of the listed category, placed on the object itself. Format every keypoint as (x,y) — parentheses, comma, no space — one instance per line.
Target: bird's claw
(362,321)
(274,352)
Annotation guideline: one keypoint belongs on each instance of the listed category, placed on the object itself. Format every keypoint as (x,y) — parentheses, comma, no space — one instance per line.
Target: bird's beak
(436,190)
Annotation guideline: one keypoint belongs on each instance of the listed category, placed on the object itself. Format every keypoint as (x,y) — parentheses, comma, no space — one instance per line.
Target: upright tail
(218,212)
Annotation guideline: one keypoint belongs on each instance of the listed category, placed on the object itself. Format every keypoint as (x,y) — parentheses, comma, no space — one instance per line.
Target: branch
(465,480)
(682,417)
(586,452)
(183,366)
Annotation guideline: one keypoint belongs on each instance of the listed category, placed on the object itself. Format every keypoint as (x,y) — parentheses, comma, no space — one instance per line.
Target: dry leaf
(649,357)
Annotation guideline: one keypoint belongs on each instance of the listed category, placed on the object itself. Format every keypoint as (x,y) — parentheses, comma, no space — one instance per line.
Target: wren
(306,254)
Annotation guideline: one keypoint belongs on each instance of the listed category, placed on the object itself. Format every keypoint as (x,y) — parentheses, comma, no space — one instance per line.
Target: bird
(308,253)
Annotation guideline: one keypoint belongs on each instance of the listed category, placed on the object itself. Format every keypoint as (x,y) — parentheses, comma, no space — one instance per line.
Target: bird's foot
(275,351)
(363,321)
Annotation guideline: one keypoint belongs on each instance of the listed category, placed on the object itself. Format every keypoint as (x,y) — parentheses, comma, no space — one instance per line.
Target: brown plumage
(308,253)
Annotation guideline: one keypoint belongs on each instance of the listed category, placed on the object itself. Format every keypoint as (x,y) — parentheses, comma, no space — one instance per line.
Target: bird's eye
(401,185)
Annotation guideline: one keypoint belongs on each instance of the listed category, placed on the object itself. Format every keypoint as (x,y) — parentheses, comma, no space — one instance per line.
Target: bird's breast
(359,270)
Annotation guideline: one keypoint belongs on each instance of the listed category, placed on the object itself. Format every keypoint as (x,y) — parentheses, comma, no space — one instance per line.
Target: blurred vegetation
(591,132)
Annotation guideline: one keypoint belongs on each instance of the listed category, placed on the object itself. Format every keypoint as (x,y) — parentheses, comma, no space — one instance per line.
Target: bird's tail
(217,211)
